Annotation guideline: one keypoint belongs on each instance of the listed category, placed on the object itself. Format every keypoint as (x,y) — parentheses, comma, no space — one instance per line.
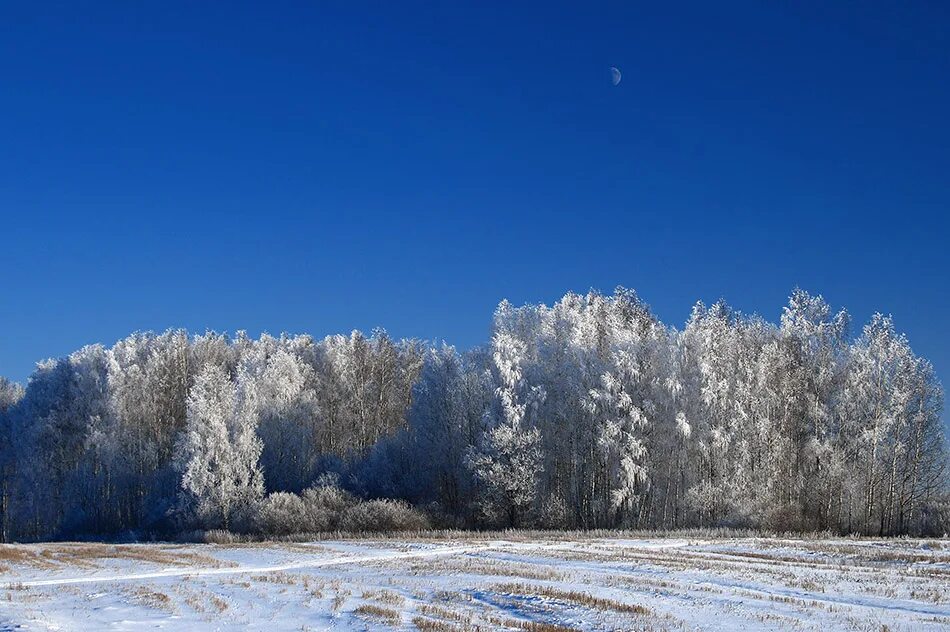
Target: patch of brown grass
(530,626)
(385,596)
(88,555)
(573,596)
(277,578)
(499,568)
(386,614)
(13,554)
(433,625)
(436,611)
(339,599)
(16,554)
(196,603)
(150,598)
(199,600)
(219,604)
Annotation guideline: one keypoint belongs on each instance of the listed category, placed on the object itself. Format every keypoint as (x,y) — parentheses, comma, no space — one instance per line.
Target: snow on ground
(481,584)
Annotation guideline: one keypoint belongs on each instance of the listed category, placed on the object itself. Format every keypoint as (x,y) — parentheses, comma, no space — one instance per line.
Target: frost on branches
(586,413)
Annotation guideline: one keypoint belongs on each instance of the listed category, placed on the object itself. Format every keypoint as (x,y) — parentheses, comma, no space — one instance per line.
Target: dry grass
(218,603)
(196,603)
(530,626)
(451,596)
(378,612)
(150,598)
(436,611)
(931,595)
(85,555)
(816,572)
(807,584)
(278,578)
(434,625)
(385,596)
(13,554)
(925,551)
(339,599)
(497,568)
(494,623)
(572,596)
(511,535)
(202,601)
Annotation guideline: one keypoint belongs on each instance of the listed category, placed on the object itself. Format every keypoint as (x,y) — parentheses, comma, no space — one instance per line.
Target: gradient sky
(318,167)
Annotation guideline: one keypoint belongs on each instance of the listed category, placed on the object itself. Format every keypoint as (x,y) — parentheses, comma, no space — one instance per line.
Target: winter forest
(590,413)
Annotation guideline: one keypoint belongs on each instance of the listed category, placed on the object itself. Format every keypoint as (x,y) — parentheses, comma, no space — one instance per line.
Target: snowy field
(480,584)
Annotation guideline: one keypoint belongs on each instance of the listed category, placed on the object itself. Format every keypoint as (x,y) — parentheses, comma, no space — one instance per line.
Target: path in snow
(246,570)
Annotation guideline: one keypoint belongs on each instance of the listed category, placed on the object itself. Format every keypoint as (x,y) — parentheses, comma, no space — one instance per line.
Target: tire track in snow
(729,586)
(273,568)
(500,546)
(245,570)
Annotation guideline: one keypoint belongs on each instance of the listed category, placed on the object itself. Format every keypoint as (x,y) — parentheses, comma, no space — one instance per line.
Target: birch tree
(219,449)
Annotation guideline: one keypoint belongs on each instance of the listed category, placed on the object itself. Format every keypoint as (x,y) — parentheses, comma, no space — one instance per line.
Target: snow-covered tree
(219,449)
(620,438)
(289,416)
(507,466)
(10,395)
(508,463)
(586,413)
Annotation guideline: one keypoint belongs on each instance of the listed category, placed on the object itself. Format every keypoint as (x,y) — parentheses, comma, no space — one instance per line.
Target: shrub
(325,503)
(282,513)
(329,498)
(326,507)
(383,515)
(317,510)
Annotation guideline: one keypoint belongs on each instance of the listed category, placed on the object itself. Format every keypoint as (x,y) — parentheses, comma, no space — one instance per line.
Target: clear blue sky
(317,167)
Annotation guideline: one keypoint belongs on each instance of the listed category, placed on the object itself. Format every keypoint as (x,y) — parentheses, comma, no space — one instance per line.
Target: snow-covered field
(465,584)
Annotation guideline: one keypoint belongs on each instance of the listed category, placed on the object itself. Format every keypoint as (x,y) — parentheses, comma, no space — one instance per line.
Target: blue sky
(319,167)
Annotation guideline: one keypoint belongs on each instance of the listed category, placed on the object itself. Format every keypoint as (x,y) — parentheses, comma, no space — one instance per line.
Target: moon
(614,75)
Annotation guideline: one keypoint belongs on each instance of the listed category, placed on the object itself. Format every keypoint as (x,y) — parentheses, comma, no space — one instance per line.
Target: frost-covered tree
(427,463)
(10,395)
(219,449)
(586,413)
(620,436)
(149,376)
(507,467)
(366,389)
(288,413)
(508,463)
(816,337)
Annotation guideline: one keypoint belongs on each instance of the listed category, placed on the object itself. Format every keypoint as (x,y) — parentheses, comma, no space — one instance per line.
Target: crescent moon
(614,75)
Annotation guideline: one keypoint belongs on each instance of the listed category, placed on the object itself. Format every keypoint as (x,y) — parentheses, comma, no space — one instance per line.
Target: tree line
(589,413)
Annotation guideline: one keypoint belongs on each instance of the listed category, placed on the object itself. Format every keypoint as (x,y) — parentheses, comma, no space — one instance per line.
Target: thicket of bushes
(326,507)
